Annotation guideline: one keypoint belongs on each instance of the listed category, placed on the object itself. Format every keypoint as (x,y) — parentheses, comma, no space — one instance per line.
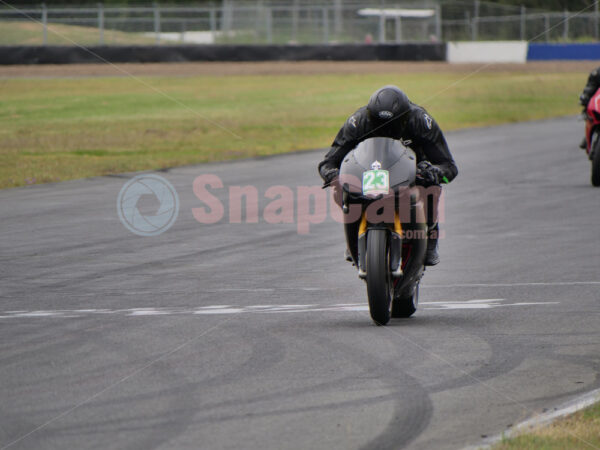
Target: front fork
(395,244)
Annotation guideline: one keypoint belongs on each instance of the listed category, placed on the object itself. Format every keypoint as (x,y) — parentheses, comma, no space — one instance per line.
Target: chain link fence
(292,22)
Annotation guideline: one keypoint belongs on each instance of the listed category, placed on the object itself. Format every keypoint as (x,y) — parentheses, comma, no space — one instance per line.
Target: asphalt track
(253,336)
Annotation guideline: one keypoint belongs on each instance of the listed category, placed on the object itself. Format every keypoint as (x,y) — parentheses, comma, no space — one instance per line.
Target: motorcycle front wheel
(596,163)
(379,282)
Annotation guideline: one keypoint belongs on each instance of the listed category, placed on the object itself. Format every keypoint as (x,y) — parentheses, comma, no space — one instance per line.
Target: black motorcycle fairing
(398,160)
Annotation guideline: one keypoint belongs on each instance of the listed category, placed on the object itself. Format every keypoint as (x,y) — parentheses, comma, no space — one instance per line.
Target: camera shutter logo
(149,224)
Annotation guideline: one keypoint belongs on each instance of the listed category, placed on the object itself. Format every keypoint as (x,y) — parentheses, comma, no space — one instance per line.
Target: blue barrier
(545,52)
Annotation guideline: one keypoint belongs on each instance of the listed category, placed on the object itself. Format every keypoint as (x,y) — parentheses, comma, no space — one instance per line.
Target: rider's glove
(329,174)
(583,100)
(428,174)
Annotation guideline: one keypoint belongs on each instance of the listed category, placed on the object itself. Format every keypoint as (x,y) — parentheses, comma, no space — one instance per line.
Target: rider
(593,83)
(390,113)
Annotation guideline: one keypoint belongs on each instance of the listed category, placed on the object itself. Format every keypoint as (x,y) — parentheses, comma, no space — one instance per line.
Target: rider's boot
(348,255)
(583,143)
(432,257)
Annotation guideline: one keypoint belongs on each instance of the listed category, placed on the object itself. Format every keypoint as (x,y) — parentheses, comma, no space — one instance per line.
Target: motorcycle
(592,135)
(385,220)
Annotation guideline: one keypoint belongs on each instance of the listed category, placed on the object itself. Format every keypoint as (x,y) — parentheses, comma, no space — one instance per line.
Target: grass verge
(59,129)
(578,431)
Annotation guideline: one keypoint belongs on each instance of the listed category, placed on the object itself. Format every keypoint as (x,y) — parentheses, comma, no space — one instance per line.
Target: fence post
(101,22)
(226,17)
(596,11)
(156,22)
(337,18)
(523,23)
(438,22)
(295,13)
(381,27)
(475,22)
(325,18)
(260,21)
(547,27)
(45,23)
(213,24)
(566,26)
(398,29)
(269,24)
(467,23)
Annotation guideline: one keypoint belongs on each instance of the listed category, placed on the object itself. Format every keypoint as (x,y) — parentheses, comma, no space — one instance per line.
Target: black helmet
(387,103)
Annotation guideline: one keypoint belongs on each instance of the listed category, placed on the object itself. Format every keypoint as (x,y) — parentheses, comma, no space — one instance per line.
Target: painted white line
(149,312)
(219,311)
(570,407)
(483,300)
(257,309)
(557,283)
(480,304)
(533,303)
(243,290)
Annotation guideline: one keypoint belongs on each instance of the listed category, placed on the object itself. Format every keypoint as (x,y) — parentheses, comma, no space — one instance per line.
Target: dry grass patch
(579,431)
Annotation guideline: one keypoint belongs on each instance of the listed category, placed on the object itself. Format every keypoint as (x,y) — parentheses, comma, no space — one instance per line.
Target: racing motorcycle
(592,135)
(385,224)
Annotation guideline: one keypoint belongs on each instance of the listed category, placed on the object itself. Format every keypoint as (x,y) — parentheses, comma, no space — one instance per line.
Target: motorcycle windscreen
(379,153)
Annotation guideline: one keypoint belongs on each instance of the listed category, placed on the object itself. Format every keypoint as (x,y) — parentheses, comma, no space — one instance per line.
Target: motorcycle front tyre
(596,163)
(379,282)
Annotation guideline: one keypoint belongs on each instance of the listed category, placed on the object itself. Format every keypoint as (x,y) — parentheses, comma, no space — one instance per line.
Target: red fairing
(593,118)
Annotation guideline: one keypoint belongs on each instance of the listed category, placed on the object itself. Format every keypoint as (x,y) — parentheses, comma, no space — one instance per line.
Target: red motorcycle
(592,135)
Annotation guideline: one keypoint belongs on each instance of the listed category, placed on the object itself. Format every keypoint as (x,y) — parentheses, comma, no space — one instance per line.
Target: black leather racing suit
(415,129)
(593,83)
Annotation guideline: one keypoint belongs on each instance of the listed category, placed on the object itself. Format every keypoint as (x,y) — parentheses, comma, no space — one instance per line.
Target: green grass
(59,129)
(580,431)
(32,33)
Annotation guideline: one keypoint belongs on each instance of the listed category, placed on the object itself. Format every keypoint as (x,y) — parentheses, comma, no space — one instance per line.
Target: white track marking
(256,309)
(218,311)
(557,283)
(479,304)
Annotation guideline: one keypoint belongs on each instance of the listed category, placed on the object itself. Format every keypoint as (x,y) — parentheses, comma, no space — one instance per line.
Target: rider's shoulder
(419,119)
(357,119)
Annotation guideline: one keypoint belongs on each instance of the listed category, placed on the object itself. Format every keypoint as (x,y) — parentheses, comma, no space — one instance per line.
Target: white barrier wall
(487,52)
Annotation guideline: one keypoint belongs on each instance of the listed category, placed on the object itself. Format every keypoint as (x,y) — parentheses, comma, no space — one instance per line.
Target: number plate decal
(376,182)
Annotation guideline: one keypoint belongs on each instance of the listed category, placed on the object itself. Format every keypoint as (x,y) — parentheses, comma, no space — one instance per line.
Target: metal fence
(295,21)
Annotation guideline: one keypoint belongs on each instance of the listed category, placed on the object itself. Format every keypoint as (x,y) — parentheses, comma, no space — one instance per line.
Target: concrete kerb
(572,406)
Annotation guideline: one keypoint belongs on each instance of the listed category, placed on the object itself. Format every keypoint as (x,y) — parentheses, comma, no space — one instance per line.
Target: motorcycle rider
(391,114)
(592,85)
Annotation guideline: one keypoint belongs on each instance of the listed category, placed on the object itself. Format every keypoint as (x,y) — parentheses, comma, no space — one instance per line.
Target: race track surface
(253,336)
